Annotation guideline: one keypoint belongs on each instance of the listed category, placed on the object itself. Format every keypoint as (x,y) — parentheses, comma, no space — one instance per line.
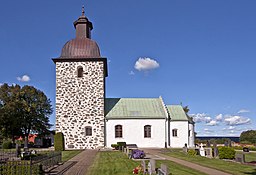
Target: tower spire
(83,10)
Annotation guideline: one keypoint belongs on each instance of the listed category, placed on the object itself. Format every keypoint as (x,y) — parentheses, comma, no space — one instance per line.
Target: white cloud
(219,117)
(1,84)
(131,73)
(144,64)
(236,120)
(24,78)
(212,123)
(243,111)
(206,130)
(201,117)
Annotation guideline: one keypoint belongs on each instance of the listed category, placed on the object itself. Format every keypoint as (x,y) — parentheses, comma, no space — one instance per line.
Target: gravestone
(163,170)
(143,165)
(240,158)
(208,144)
(226,143)
(185,149)
(151,166)
(245,149)
(215,150)
(18,151)
(229,143)
(202,151)
(208,152)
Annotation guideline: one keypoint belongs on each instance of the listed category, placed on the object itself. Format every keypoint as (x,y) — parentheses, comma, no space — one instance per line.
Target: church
(89,120)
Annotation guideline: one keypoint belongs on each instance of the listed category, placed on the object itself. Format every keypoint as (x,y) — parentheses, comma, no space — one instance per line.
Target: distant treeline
(218,140)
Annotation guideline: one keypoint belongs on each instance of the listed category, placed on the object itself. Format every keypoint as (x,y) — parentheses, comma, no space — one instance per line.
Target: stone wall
(80,103)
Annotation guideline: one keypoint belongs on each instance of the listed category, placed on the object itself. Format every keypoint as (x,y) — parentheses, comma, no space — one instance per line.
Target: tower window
(174,132)
(118,131)
(147,131)
(88,131)
(80,72)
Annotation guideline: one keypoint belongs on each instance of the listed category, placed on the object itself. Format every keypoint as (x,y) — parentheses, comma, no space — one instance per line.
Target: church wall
(182,133)
(133,132)
(80,103)
(192,136)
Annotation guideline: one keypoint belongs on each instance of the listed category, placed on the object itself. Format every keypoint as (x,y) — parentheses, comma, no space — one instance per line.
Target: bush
(192,152)
(138,154)
(121,144)
(226,153)
(7,144)
(59,144)
(115,146)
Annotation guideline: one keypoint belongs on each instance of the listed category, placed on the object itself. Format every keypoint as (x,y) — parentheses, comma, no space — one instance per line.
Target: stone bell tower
(80,89)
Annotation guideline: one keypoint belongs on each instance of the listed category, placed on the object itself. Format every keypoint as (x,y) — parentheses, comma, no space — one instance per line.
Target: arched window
(118,131)
(174,132)
(80,72)
(147,131)
(88,131)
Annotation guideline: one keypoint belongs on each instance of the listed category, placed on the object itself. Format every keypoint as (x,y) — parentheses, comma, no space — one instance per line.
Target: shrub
(59,144)
(115,146)
(192,152)
(226,153)
(121,144)
(7,144)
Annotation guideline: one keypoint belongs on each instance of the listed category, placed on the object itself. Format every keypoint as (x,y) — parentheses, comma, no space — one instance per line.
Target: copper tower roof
(82,46)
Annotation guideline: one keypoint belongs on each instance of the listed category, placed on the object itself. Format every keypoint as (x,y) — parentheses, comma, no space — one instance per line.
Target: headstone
(229,143)
(163,170)
(143,165)
(202,151)
(18,151)
(245,149)
(208,144)
(226,143)
(240,158)
(151,166)
(185,149)
(208,152)
(215,150)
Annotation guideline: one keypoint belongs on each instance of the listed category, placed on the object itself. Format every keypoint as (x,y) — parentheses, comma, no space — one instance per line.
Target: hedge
(59,144)
(226,153)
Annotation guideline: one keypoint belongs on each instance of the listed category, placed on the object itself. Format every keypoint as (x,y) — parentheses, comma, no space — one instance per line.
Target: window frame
(118,131)
(175,132)
(88,131)
(80,72)
(147,131)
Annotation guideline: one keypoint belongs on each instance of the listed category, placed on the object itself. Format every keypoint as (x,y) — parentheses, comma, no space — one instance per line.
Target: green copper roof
(121,108)
(176,113)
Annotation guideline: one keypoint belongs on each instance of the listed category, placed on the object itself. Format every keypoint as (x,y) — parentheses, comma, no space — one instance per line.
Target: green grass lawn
(230,167)
(66,155)
(117,163)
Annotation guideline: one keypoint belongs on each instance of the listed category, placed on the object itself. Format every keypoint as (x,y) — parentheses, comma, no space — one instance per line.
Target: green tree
(25,110)
(248,136)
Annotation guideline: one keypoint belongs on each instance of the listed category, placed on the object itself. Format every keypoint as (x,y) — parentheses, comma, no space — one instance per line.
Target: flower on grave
(138,170)
(138,154)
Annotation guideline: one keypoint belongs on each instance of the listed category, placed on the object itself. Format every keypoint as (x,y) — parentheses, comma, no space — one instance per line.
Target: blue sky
(201,53)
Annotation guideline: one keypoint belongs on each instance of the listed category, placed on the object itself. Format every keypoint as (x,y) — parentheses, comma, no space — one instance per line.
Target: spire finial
(83,10)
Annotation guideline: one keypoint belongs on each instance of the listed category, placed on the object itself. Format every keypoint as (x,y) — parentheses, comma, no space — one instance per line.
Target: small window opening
(80,72)
(88,131)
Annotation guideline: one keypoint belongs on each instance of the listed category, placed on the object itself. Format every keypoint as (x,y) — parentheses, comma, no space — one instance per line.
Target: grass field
(66,155)
(117,163)
(230,167)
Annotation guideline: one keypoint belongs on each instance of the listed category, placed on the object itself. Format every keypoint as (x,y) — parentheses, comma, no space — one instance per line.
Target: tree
(248,136)
(26,110)
(186,109)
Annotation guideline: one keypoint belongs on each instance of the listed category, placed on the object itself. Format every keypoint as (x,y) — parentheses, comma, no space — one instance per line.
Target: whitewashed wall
(182,136)
(133,132)
(192,136)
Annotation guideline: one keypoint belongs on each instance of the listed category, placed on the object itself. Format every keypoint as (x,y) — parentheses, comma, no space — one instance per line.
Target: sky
(199,53)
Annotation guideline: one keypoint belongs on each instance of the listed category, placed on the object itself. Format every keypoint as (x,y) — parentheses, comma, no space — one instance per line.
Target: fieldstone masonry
(80,103)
